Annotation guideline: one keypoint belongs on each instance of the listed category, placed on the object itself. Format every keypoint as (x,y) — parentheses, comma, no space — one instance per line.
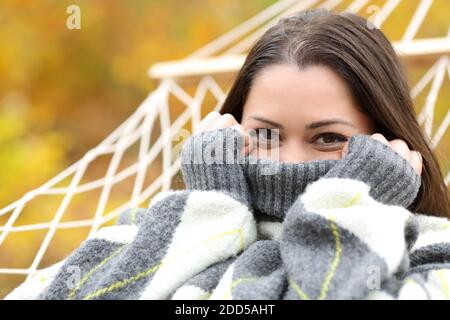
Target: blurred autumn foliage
(62,91)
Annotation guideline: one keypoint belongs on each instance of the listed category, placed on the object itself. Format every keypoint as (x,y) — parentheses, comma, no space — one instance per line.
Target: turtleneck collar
(275,185)
(270,187)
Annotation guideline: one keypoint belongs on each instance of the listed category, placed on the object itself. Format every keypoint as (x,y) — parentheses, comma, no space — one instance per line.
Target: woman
(315,183)
(318,66)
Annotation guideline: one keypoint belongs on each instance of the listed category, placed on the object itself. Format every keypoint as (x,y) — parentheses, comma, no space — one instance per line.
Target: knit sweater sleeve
(350,236)
(151,252)
(212,160)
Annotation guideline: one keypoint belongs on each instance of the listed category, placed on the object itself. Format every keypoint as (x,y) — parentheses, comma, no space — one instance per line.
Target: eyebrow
(262,119)
(312,125)
(327,122)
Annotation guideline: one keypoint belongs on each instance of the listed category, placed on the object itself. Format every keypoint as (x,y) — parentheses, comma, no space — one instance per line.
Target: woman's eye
(330,140)
(267,138)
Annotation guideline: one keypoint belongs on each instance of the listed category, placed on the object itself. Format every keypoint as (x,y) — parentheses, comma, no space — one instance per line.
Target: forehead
(286,90)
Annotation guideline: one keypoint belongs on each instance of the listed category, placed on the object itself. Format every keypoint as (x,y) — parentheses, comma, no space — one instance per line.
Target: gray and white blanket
(262,229)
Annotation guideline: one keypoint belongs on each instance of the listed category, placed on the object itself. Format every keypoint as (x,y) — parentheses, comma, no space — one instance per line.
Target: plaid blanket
(262,229)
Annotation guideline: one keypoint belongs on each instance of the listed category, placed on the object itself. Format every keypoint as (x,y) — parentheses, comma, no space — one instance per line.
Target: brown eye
(329,140)
(267,138)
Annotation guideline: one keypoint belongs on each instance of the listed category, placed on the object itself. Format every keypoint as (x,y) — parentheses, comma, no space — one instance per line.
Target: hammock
(190,88)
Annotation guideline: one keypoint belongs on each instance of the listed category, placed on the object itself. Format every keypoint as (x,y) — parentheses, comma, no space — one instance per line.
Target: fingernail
(420,155)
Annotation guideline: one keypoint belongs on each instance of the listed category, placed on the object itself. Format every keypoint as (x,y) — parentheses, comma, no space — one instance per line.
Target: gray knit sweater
(247,228)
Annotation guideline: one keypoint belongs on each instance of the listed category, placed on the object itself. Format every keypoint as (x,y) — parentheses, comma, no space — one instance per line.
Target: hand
(224,176)
(214,120)
(399,146)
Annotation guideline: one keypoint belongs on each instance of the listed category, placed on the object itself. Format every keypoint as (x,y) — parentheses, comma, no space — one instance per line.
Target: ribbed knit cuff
(275,185)
(391,178)
(212,160)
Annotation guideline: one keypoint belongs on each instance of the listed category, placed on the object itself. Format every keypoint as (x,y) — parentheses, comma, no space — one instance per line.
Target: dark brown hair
(365,59)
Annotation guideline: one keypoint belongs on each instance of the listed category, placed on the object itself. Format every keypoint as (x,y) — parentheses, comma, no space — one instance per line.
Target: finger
(208,120)
(397,145)
(247,139)
(344,150)
(416,162)
(402,148)
(225,121)
(381,138)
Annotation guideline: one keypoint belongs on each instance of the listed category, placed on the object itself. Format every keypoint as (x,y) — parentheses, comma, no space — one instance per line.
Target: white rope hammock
(222,56)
